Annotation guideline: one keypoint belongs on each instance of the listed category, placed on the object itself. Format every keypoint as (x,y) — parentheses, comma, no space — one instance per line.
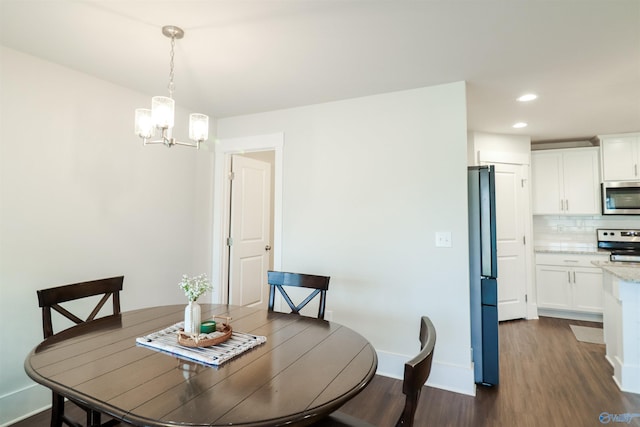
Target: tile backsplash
(576,231)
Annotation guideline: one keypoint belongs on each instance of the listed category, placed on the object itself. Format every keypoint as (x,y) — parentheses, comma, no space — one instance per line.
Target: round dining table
(304,370)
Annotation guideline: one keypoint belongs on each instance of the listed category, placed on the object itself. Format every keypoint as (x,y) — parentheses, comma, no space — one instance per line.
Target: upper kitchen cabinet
(620,157)
(566,181)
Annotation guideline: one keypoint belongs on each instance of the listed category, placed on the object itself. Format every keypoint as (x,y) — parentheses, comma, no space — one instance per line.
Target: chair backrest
(52,297)
(416,372)
(278,279)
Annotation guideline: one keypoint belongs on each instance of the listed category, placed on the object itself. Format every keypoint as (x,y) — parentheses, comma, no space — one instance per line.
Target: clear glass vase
(192,318)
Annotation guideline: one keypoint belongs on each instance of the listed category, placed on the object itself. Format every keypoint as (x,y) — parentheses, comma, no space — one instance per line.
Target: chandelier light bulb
(198,127)
(144,123)
(162,111)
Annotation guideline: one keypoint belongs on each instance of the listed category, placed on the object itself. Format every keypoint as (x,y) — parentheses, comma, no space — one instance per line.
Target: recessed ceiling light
(520,125)
(527,97)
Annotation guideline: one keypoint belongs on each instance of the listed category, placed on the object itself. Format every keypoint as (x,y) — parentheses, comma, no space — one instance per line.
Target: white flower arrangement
(194,287)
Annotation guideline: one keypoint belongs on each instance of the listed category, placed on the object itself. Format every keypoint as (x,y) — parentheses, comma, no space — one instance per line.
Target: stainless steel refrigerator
(483,274)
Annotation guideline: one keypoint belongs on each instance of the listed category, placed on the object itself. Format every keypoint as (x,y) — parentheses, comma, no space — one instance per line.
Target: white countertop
(578,250)
(627,271)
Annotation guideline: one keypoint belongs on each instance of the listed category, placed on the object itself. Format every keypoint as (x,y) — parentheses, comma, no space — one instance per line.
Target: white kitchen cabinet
(620,157)
(566,182)
(587,289)
(554,287)
(569,282)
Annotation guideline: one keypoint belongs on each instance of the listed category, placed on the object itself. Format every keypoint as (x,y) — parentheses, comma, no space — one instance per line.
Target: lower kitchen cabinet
(554,287)
(569,283)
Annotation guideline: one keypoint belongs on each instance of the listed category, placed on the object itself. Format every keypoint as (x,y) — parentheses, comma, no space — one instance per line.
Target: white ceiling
(244,56)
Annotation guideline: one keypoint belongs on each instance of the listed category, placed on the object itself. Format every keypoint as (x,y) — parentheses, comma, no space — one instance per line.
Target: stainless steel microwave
(621,198)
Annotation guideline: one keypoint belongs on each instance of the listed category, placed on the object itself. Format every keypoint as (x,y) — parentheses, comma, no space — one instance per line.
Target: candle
(208,327)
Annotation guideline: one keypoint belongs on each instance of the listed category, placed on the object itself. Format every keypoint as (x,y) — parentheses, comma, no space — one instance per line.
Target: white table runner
(166,340)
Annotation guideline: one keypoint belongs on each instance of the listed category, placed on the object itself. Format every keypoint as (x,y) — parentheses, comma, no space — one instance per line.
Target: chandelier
(161,115)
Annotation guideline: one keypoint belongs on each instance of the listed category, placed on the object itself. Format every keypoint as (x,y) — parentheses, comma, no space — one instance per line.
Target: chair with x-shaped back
(280,279)
(416,372)
(50,299)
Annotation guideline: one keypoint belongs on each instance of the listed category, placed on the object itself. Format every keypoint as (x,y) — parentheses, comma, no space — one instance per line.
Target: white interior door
(249,231)
(510,232)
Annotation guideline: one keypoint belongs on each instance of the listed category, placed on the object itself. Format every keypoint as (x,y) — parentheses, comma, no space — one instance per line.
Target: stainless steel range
(623,244)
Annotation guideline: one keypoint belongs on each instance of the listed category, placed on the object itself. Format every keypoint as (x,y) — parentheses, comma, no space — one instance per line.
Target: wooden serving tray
(223,332)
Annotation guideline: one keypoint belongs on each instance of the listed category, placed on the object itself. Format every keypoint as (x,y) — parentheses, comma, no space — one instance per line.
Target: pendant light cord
(171,54)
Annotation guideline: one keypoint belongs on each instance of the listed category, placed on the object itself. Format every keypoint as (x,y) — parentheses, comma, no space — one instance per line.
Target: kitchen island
(621,322)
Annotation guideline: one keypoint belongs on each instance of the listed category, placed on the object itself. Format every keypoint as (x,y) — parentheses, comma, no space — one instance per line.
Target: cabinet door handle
(567,202)
(569,276)
(574,277)
(635,168)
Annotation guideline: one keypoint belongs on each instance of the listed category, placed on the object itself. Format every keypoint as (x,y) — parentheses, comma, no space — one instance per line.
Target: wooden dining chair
(279,279)
(50,299)
(416,372)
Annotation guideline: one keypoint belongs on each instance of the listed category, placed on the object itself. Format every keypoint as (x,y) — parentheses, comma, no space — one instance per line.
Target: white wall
(81,199)
(508,148)
(366,184)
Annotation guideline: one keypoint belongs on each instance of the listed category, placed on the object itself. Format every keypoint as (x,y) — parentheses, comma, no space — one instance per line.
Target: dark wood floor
(548,379)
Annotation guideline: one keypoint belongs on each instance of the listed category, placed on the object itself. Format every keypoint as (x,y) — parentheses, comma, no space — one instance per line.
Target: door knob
(267,248)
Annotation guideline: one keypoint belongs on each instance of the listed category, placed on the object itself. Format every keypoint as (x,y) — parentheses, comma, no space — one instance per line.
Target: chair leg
(93,418)
(57,410)
(58,418)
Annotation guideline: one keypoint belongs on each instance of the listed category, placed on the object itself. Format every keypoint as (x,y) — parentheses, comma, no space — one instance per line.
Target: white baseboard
(629,380)
(571,315)
(23,403)
(608,359)
(445,376)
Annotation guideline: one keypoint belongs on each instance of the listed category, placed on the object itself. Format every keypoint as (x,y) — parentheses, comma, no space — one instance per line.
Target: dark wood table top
(306,369)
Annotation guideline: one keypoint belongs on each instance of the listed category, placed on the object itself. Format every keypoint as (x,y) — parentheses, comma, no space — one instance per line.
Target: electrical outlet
(443,239)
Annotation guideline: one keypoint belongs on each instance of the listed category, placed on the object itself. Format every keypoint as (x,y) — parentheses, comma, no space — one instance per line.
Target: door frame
(224,149)
(492,157)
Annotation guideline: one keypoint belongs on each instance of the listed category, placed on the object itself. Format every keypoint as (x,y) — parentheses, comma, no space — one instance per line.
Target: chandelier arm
(155,141)
(187,144)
